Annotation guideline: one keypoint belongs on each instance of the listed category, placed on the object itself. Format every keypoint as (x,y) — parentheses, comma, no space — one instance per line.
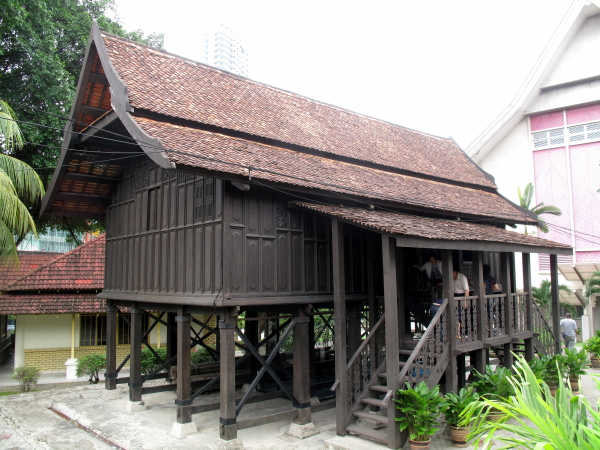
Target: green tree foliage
(592,286)
(543,297)
(42,47)
(525,199)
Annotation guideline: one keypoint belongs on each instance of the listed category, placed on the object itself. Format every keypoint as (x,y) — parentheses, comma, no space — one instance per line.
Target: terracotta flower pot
(553,390)
(495,416)
(575,385)
(459,435)
(419,445)
(595,362)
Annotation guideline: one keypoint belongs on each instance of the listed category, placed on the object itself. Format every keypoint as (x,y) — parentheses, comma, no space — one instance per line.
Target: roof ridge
(60,258)
(167,54)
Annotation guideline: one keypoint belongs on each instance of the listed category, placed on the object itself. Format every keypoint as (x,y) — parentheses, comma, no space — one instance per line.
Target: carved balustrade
(519,304)
(466,311)
(431,354)
(362,368)
(544,340)
(496,315)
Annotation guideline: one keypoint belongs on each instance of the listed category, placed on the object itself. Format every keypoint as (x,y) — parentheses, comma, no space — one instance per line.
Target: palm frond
(542,225)
(547,209)
(526,196)
(13,212)
(9,129)
(8,249)
(27,183)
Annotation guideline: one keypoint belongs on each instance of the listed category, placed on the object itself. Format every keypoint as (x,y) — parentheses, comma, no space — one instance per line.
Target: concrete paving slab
(27,422)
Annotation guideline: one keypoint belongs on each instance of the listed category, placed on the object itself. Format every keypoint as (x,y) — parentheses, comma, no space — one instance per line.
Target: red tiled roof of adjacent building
(79,269)
(430,228)
(179,88)
(28,262)
(51,303)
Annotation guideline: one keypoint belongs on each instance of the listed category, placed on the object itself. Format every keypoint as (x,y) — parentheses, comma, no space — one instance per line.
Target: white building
(550,135)
(223,48)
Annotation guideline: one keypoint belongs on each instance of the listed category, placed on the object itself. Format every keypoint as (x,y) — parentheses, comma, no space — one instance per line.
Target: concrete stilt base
(183,429)
(110,394)
(233,444)
(131,407)
(302,431)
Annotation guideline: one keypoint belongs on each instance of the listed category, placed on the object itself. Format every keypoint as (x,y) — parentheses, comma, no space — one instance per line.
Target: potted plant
(421,408)
(456,404)
(575,363)
(592,346)
(554,371)
(494,384)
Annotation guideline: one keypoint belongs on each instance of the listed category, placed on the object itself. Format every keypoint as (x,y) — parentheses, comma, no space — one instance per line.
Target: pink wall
(552,188)
(585,180)
(582,114)
(547,120)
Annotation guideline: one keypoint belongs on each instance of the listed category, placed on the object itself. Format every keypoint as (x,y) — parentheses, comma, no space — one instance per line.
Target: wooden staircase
(420,360)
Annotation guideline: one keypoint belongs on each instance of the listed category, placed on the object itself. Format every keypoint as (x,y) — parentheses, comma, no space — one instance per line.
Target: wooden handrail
(537,308)
(421,344)
(495,296)
(365,342)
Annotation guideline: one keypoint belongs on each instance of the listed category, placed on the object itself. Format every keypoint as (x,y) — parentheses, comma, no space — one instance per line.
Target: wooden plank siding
(181,235)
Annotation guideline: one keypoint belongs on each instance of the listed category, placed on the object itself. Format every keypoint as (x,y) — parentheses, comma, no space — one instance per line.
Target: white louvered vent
(587,132)
(548,138)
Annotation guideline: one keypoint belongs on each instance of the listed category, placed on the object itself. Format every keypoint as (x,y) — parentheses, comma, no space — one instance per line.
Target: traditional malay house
(229,198)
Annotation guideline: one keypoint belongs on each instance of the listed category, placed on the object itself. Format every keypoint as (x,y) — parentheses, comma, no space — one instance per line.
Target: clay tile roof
(429,228)
(79,269)
(28,262)
(51,303)
(179,88)
(283,165)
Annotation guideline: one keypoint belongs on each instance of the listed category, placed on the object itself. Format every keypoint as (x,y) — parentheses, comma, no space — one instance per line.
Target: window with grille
(549,138)
(93,330)
(124,330)
(585,132)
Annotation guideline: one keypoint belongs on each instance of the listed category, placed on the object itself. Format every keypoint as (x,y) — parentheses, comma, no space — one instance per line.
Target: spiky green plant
(421,408)
(525,199)
(541,422)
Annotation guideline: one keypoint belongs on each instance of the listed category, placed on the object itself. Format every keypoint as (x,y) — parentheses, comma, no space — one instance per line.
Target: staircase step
(371,416)
(373,402)
(403,351)
(379,388)
(378,436)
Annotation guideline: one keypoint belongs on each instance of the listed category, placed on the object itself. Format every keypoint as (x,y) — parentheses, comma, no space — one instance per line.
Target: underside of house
(281,216)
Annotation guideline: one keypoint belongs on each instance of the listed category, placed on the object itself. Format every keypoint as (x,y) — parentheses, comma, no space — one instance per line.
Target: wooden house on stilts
(227,198)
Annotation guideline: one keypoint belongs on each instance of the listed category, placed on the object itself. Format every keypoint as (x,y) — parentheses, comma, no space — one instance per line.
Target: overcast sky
(445,67)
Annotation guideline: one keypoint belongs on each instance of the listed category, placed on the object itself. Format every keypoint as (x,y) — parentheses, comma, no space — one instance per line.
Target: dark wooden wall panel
(199,260)
(209,256)
(180,261)
(237,259)
(189,260)
(268,265)
(253,264)
(282,262)
(297,269)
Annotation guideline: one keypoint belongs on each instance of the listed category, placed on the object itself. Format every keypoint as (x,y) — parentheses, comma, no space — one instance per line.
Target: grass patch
(4,394)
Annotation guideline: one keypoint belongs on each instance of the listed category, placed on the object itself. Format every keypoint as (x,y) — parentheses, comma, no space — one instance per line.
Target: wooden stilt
(555,302)
(507,286)
(311,356)
(171,340)
(390,294)
(353,328)
(110,377)
(251,330)
(529,350)
(135,362)
(301,375)
(339,307)
(451,371)
(371,282)
(184,377)
(402,311)
(461,368)
(228,426)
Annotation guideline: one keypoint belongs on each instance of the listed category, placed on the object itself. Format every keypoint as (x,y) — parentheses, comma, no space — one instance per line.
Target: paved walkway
(77,418)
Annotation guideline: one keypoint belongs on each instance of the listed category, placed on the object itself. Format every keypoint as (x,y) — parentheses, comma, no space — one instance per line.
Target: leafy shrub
(496,383)
(457,403)
(150,362)
(576,363)
(592,346)
(554,371)
(201,356)
(26,376)
(421,408)
(90,365)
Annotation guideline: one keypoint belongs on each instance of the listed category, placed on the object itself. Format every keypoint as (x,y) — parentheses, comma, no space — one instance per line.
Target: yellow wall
(53,359)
